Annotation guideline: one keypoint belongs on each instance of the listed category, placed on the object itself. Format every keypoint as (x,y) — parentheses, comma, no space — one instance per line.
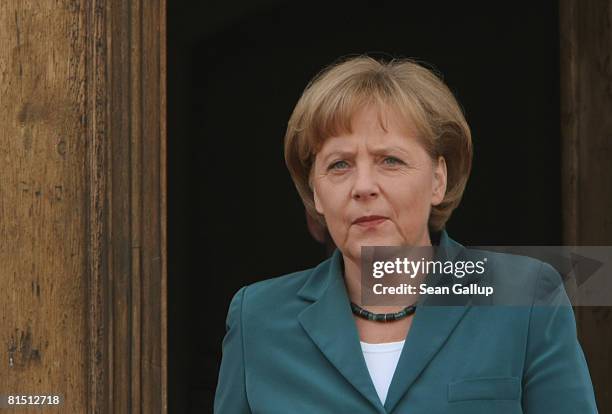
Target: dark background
(236,70)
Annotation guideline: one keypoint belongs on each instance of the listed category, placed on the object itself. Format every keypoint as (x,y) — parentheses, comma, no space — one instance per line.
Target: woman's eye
(338,165)
(392,161)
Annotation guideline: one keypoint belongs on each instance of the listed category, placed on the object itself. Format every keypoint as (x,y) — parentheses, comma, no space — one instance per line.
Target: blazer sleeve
(556,376)
(230,396)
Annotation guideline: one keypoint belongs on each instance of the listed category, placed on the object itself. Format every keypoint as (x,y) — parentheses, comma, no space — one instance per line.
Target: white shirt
(381,360)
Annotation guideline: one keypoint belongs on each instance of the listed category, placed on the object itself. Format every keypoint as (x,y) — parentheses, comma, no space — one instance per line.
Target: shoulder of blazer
(278,291)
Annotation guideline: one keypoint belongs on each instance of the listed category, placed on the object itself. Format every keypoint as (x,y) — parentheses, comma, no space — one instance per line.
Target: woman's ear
(439,181)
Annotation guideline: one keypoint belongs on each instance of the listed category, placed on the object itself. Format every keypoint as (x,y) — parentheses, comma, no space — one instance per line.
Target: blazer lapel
(329,323)
(431,327)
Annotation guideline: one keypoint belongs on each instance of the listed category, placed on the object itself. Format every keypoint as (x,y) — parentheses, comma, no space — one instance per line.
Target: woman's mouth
(369,221)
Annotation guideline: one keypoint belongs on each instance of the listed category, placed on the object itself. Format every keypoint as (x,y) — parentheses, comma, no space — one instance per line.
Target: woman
(380,154)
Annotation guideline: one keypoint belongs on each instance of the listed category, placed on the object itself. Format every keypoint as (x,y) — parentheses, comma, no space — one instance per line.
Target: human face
(373,172)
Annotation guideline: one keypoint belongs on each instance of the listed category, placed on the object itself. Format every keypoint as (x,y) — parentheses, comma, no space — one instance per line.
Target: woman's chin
(377,240)
(355,246)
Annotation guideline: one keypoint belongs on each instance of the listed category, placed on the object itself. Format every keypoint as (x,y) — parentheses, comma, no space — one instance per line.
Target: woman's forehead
(378,127)
(375,112)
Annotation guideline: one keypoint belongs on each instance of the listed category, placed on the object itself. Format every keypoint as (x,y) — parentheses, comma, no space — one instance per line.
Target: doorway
(235,73)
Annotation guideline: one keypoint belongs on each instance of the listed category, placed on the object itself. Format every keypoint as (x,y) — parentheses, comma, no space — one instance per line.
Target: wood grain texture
(586,126)
(137,195)
(153,294)
(82,203)
(44,201)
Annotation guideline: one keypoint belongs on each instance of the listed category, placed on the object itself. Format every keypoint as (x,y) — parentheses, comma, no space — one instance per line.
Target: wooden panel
(43,200)
(586,105)
(82,203)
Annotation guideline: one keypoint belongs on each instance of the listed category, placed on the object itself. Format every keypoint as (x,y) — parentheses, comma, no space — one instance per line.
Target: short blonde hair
(419,96)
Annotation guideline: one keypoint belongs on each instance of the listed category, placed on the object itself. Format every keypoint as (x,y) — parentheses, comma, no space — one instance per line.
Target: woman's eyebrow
(389,149)
(340,153)
(376,151)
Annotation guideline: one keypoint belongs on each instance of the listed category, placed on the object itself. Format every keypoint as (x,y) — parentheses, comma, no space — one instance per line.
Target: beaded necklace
(382,317)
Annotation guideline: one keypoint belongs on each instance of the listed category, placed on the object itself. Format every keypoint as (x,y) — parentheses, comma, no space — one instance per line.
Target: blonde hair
(415,93)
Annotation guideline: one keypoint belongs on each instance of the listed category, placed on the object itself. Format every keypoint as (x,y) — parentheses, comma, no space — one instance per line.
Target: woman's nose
(365,185)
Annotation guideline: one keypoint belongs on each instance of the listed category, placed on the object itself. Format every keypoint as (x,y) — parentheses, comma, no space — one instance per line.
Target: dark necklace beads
(382,317)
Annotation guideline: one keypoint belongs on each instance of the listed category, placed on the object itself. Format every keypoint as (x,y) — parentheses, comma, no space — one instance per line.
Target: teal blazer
(292,347)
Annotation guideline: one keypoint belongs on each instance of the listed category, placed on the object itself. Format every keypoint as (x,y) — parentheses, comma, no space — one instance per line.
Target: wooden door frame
(83,256)
(586,143)
(126,58)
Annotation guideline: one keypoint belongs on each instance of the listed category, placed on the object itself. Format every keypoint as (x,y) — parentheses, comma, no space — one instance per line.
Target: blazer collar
(329,323)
